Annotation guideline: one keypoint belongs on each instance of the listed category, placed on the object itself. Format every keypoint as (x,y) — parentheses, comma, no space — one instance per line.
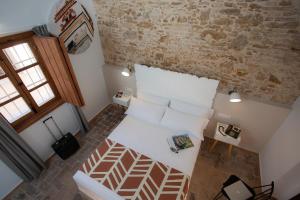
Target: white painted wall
(289,184)
(38,137)
(18,16)
(89,72)
(115,81)
(258,120)
(280,158)
(8,181)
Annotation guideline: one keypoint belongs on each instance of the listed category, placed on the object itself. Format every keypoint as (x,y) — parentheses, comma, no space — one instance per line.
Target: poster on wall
(71,22)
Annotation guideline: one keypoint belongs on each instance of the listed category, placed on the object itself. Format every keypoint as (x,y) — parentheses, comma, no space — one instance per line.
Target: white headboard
(174,85)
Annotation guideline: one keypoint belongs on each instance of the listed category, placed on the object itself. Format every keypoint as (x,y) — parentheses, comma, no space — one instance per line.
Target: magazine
(180,142)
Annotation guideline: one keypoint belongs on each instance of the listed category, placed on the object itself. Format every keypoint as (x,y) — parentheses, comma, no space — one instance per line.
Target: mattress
(147,139)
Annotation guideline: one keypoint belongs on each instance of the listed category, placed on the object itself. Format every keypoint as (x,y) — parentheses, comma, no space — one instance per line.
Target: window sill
(37,116)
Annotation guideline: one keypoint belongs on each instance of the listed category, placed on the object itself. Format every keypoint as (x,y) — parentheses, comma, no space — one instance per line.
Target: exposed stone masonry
(251,44)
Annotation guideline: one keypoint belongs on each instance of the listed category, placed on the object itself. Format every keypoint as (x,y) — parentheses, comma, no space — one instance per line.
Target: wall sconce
(234,96)
(126,71)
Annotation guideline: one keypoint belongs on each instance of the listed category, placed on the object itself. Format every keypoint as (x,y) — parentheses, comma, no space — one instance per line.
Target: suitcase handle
(44,122)
(47,119)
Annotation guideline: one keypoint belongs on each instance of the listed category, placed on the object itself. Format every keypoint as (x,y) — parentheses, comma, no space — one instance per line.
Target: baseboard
(15,187)
(93,119)
(95,115)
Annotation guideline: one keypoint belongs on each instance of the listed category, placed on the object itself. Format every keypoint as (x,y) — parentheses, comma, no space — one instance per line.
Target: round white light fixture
(126,72)
(234,96)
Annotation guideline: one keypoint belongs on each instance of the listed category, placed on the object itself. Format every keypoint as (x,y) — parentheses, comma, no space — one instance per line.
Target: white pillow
(145,111)
(153,98)
(200,111)
(179,121)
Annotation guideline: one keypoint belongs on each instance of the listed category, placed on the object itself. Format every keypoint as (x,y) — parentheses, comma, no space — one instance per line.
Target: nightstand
(225,138)
(123,100)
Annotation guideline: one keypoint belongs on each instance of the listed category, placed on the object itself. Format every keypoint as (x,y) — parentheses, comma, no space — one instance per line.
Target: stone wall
(253,45)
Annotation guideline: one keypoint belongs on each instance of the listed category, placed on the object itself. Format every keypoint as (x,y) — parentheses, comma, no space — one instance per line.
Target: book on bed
(182,141)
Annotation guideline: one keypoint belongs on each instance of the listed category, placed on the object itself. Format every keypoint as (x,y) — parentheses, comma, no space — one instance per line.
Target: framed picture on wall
(73,24)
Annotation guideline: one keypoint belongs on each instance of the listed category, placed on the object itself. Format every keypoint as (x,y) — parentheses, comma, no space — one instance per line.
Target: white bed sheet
(148,139)
(151,140)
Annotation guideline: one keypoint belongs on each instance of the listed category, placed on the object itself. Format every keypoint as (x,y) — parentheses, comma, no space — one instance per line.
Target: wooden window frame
(37,112)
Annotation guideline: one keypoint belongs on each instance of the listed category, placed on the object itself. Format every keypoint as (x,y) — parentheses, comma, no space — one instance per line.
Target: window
(27,92)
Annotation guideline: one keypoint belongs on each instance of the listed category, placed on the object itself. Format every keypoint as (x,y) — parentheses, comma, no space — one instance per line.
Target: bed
(149,140)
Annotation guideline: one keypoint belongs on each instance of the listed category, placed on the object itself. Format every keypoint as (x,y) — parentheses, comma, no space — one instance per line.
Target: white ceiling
(19,15)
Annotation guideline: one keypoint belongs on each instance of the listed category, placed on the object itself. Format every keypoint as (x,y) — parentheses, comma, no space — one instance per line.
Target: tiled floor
(211,169)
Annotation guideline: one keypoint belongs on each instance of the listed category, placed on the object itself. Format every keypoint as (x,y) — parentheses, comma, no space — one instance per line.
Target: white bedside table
(225,138)
(123,100)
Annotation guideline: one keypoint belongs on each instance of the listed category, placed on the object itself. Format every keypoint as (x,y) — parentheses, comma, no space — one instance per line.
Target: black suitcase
(66,146)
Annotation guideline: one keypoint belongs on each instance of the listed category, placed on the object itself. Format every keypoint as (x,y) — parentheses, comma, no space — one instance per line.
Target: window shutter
(59,66)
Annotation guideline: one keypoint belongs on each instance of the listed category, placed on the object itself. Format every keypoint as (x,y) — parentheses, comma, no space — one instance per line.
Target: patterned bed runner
(133,175)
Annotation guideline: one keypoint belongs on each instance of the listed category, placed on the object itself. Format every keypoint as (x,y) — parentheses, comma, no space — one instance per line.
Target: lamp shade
(235,97)
(126,72)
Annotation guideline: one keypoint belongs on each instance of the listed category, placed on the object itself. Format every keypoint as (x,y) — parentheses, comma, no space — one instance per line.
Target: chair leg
(218,196)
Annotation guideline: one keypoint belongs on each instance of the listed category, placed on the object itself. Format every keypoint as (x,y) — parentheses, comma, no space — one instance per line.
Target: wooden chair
(263,192)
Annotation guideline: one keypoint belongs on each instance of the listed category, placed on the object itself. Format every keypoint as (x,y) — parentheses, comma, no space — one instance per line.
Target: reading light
(126,72)
(234,96)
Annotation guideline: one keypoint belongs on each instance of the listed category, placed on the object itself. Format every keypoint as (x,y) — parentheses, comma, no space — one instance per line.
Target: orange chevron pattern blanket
(133,175)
